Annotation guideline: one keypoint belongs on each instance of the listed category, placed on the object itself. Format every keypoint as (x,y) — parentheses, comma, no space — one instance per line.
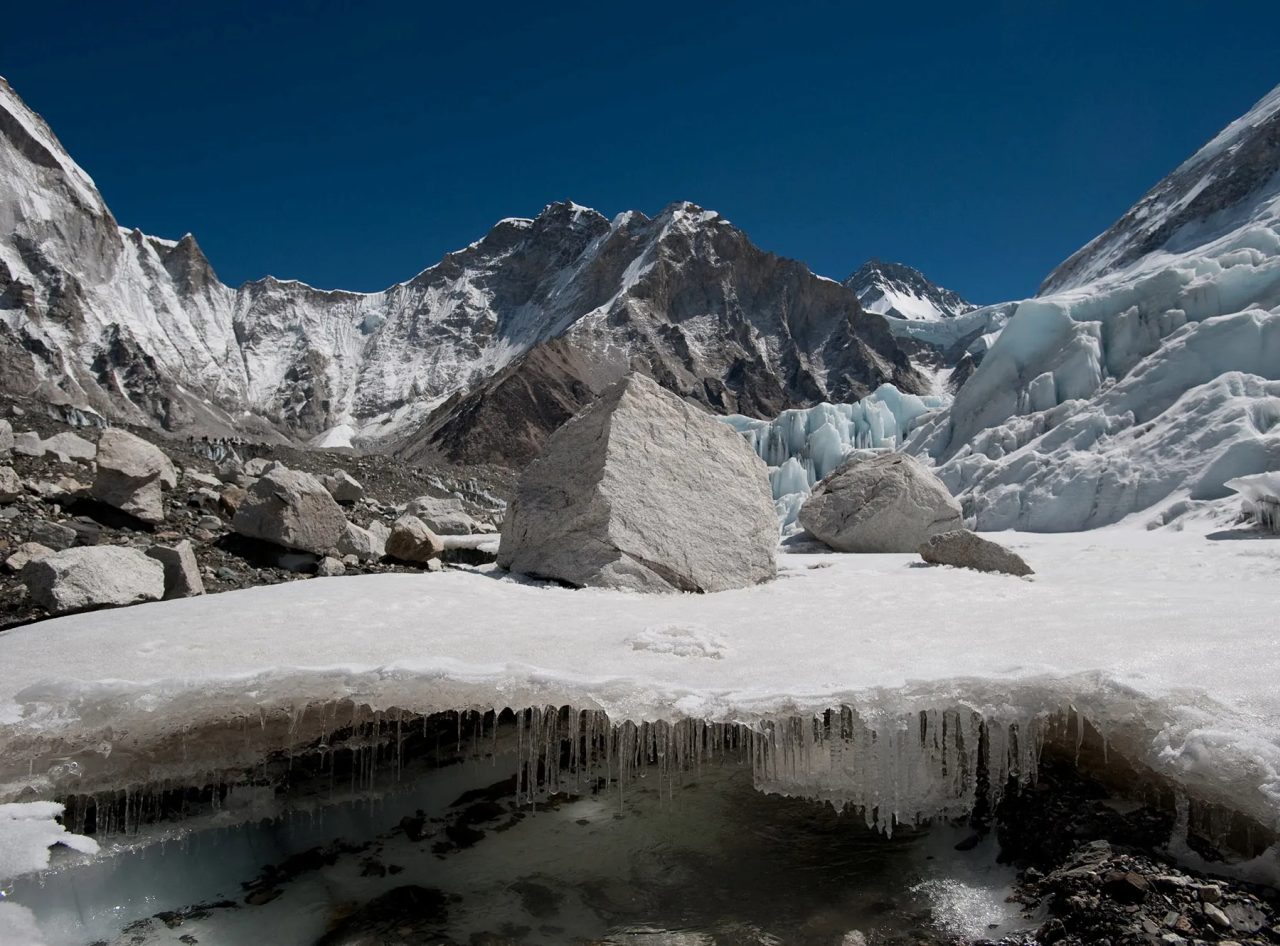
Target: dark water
(452,856)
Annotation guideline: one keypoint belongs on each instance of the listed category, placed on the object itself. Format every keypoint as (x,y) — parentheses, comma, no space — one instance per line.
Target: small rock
(342,486)
(28,444)
(411,541)
(1209,893)
(181,570)
(211,523)
(1216,916)
(100,576)
(196,478)
(26,552)
(330,568)
(52,534)
(1129,887)
(1244,917)
(67,446)
(10,485)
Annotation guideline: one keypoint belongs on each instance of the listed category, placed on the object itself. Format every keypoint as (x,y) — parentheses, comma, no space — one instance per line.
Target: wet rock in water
(364,544)
(411,541)
(132,474)
(889,503)
(291,509)
(181,571)
(26,552)
(99,576)
(55,535)
(342,486)
(10,485)
(404,916)
(330,568)
(67,446)
(964,549)
(645,492)
(6,438)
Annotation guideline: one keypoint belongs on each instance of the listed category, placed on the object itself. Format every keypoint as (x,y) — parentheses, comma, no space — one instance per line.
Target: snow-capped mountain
(1148,370)
(478,356)
(902,292)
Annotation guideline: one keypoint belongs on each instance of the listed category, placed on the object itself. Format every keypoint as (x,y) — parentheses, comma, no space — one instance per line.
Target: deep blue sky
(352,145)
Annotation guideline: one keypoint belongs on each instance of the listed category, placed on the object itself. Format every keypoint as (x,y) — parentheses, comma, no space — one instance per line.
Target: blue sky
(351,146)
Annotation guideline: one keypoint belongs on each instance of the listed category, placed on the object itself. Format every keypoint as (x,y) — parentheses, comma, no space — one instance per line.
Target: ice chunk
(1261,493)
(28,830)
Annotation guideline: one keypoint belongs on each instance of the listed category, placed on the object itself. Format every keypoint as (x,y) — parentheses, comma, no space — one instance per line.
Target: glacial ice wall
(803,445)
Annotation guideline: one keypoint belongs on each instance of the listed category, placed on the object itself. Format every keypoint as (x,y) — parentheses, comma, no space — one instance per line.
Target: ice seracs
(1261,493)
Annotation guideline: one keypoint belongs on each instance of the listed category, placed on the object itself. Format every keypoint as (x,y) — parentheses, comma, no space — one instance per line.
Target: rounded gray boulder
(93,577)
(292,509)
(964,549)
(889,503)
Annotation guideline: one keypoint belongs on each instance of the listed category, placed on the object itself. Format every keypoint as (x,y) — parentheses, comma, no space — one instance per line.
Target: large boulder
(411,541)
(132,474)
(964,549)
(643,491)
(443,515)
(94,577)
(181,570)
(292,509)
(889,503)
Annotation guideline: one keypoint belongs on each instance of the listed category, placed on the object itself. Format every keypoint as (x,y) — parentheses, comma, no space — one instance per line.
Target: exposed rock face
(99,576)
(131,475)
(342,486)
(10,485)
(291,509)
(411,541)
(140,329)
(181,571)
(964,549)
(646,492)
(889,503)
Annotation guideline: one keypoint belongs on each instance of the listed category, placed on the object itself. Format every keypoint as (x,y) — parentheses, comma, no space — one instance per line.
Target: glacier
(1147,373)
(803,445)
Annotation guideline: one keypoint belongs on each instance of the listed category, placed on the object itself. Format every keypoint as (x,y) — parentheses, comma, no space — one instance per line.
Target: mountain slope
(1148,371)
(141,329)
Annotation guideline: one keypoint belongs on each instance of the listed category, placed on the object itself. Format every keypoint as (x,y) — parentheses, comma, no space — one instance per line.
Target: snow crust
(27,831)
(803,445)
(1165,641)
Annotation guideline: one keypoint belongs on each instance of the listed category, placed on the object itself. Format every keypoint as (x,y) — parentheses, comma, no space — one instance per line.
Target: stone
(343,487)
(195,478)
(6,438)
(964,549)
(210,523)
(291,509)
(889,503)
(52,534)
(256,466)
(67,446)
(643,491)
(231,497)
(181,570)
(10,485)
(443,515)
(1126,887)
(26,552)
(411,541)
(132,475)
(1216,916)
(28,444)
(330,568)
(364,544)
(100,576)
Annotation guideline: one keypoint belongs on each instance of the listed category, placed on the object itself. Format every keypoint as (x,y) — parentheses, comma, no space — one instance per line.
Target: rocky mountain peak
(903,292)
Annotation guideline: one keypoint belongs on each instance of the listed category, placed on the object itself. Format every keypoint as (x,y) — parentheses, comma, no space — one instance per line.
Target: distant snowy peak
(1212,193)
(901,292)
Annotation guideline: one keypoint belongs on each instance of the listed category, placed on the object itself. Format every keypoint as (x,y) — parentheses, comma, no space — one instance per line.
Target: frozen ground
(1167,641)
